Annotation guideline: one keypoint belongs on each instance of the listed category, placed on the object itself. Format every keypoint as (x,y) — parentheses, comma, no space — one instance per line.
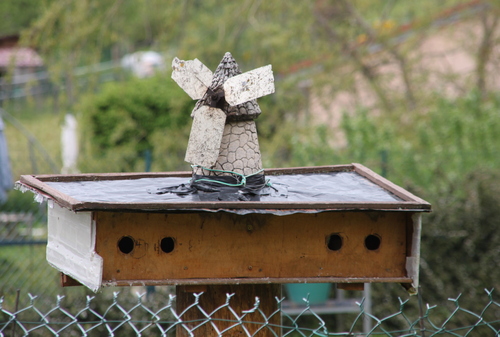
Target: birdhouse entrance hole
(167,244)
(334,242)
(372,242)
(126,244)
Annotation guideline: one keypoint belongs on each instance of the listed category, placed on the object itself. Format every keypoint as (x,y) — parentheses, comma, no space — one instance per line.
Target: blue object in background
(5,173)
(318,292)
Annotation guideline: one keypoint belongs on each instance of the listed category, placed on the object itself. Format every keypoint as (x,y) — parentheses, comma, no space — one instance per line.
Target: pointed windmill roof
(228,68)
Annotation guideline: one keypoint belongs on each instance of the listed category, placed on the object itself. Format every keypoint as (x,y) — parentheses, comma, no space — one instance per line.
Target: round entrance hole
(126,244)
(334,242)
(372,242)
(167,244)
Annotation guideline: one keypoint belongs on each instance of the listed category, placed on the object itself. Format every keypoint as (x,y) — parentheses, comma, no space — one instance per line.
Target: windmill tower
(223,139)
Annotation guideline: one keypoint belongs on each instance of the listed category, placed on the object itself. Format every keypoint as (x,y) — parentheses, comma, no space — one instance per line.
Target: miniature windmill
(223,138)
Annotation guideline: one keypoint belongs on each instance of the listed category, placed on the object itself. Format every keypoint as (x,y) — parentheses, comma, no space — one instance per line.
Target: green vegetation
(33,124)
(17,15)
(451,140)
(19,261)
(126,121)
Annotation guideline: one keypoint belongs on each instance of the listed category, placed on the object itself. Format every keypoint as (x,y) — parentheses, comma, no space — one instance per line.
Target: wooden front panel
(154,246)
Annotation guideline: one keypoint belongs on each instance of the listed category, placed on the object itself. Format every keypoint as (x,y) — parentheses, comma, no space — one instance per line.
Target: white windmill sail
(192,76)
(250,85)
(206,136)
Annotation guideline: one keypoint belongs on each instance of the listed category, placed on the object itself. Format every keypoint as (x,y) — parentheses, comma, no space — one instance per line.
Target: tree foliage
(290,35)
(128,120)
(16,15)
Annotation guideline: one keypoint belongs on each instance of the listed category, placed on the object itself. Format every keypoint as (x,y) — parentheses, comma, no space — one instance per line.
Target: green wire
(243,177)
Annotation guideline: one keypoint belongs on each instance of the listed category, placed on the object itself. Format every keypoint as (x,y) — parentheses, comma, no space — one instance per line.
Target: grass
(17,271)
(33,138)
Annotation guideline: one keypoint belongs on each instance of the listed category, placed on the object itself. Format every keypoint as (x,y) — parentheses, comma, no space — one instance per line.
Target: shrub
(128,121)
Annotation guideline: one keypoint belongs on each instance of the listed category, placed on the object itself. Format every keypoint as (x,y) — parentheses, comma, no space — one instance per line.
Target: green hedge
(127,121)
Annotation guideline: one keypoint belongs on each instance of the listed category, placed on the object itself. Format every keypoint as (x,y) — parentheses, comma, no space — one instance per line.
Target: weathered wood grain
(225,246)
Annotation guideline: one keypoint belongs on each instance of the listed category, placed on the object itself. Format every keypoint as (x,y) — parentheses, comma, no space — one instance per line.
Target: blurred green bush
(128,122)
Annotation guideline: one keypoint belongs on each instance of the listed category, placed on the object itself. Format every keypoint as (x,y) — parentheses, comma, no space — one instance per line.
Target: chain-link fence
(38,85)
(147,318)
(23,238)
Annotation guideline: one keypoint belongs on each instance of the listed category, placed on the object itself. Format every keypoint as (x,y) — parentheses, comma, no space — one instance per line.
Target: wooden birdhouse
(229,225)
(337,224)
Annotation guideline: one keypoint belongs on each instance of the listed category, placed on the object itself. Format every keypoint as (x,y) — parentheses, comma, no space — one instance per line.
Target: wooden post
(214,297)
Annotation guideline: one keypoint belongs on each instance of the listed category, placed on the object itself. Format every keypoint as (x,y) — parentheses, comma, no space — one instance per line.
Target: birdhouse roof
(292,190)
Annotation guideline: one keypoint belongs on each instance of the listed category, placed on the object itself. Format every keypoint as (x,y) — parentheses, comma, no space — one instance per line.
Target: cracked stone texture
(228,68)
(239,151)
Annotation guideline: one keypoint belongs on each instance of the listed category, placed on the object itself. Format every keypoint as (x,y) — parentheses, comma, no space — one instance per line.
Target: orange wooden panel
(224,245)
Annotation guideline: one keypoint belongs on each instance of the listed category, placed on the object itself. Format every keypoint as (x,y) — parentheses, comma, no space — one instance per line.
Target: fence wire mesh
(118,318)
(23,237)
(23,264)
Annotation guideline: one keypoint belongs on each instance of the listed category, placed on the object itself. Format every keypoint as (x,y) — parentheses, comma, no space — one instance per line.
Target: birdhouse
(228,221)
(337,224)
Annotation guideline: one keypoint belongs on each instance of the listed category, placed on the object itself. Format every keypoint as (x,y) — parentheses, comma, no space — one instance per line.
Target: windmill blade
(250,85)
(192,76)
(206,136)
